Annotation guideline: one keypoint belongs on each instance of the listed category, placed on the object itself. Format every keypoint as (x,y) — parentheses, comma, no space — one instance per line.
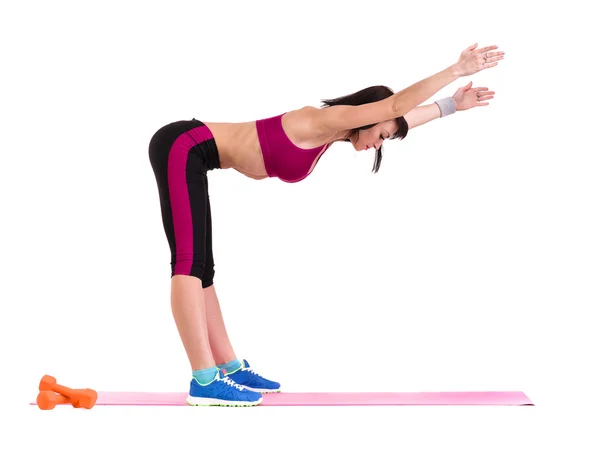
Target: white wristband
(447,106)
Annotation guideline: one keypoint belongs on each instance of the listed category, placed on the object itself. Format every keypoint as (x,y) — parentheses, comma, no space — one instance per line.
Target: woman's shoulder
(302,124)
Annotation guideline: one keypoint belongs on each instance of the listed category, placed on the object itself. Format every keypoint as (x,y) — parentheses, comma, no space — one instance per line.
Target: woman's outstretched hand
(467,97)
(473,60)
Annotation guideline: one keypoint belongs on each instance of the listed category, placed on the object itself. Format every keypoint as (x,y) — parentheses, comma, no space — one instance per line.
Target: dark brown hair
(365,96)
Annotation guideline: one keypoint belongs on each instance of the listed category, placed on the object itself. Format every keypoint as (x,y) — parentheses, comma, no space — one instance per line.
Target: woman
(287,146)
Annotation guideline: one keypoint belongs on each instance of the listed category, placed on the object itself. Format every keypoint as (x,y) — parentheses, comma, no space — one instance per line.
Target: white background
(468,263)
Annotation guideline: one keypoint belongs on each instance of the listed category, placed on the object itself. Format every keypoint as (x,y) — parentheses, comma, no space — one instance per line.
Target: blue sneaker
(222,391)
(252,381)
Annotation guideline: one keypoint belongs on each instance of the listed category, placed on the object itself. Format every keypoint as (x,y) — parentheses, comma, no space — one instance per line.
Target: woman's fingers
(491,59)
(484,49)
(484,98)
(488,65)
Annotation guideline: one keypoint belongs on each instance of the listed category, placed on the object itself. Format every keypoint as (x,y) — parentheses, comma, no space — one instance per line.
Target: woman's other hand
(468,97)
(473,60)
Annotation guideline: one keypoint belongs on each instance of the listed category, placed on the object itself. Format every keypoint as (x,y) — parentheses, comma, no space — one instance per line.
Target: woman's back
(271,147)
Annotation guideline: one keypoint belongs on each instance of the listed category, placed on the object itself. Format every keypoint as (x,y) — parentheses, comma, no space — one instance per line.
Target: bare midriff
(239,147)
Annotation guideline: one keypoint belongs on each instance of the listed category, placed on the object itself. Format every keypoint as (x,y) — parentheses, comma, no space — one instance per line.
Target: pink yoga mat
(482,398)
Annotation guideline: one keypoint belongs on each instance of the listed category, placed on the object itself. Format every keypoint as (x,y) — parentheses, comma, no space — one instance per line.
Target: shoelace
(230,382)
(249,369)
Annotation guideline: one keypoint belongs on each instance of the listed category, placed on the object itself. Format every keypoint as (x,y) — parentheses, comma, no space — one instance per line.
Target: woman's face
(374,136)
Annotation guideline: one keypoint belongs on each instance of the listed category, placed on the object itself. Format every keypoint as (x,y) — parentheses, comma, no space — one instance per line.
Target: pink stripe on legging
(180,199)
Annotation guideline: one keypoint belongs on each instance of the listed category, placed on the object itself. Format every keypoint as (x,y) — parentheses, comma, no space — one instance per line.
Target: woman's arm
(333,119)
(422,114)
(465,98)
(470,62)
(338,118)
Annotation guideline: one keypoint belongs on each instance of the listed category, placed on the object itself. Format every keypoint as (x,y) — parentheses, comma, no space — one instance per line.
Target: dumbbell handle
(65,391)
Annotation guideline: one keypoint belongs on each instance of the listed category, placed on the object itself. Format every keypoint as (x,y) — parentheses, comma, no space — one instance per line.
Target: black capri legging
(181,153)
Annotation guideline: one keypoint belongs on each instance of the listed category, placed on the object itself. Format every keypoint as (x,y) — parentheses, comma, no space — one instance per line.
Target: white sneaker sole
(196,401)
(262,390)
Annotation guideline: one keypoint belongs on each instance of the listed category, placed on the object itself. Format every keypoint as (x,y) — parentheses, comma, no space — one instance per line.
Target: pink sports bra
(282,158)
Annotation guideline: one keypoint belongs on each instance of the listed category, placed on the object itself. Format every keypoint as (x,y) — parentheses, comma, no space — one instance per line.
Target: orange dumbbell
(47,400)
(79,398)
